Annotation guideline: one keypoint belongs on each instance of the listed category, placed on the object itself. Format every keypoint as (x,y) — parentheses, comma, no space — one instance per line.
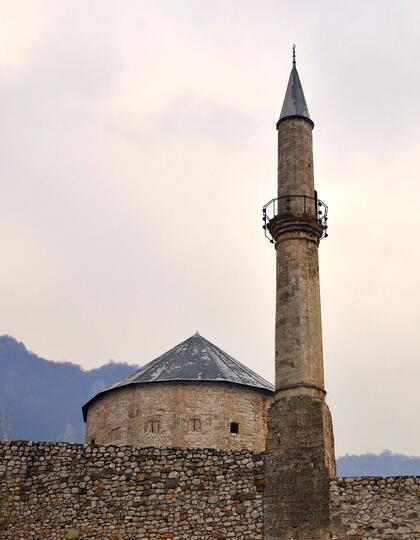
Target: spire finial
(294,55)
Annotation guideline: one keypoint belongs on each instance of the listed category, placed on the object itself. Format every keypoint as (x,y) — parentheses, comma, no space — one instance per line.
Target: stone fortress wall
(60,491)
(67,491)
(182,415)
(377,507)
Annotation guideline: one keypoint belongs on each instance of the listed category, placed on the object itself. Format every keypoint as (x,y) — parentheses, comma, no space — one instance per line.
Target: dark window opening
(115,434)
(93,441)
(153,426)
(234,427)
(195,424)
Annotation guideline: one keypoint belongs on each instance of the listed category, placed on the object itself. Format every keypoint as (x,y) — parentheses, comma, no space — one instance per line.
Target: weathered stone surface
(57,491)
(376,508)
(298,466)
(60,491)
(298,354)
(182,415)
(295,158)
(300,449)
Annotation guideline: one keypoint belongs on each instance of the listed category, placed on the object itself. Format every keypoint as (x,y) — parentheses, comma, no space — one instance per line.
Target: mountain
(41,400)
(384,464)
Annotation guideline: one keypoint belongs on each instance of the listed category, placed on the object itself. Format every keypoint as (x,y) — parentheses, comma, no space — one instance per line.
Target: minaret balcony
(294,212)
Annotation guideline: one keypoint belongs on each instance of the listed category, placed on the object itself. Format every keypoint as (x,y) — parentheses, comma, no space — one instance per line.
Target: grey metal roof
(195,359)
(294,104)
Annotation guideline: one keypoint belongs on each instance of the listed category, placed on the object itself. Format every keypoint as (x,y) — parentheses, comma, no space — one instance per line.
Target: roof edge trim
(86,406)
(295,117)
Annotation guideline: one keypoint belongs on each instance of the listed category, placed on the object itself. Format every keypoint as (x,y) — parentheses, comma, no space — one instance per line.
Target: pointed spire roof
(195,359)
(294,104)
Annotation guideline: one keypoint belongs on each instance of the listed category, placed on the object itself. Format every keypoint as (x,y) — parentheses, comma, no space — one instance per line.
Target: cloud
(137,147)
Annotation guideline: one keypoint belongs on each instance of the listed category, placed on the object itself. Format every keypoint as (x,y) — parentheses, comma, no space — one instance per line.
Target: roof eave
(295,117)
(86,406)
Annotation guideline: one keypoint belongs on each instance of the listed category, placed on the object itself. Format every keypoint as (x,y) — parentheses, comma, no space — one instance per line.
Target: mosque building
(194,395)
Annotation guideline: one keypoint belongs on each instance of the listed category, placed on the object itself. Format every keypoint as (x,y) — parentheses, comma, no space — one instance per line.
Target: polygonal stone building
(194,395)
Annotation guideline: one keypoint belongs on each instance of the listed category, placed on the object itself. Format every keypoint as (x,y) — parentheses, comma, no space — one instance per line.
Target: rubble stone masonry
(71,491)
(376,508)
(181,414)
(65,491)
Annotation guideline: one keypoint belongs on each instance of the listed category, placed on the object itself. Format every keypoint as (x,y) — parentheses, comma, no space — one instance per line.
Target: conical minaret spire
(294,104)
(300,452)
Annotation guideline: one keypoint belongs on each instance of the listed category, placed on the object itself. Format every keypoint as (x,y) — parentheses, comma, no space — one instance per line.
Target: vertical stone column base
(299,463)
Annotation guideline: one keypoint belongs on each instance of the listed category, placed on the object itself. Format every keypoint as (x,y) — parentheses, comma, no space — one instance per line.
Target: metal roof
(195,359)
(294,104)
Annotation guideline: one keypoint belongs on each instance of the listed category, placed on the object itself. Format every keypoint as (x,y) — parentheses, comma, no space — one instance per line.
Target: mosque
(194,445)
(193,396)
(196,395)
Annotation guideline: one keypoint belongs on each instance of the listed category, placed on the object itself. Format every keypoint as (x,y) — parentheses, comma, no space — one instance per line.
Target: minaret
(300,449)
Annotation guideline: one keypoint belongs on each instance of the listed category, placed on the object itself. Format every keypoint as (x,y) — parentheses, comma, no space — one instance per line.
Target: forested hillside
(41,400)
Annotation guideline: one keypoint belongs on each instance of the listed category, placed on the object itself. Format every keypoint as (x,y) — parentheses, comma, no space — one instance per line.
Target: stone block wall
(295,159)
(180,414)
(297,472)
(62,491)
(376,508)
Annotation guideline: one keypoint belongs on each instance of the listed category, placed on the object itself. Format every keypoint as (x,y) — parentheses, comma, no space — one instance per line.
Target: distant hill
(384,464)
(41,400)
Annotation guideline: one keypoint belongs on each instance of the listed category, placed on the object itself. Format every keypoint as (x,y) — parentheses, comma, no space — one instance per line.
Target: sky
(137,148)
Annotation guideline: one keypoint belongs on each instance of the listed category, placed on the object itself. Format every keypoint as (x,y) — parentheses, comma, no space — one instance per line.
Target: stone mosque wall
(182,415)
(68,491)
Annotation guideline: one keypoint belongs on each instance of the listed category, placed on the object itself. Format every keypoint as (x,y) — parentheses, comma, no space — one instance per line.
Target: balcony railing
(295,206)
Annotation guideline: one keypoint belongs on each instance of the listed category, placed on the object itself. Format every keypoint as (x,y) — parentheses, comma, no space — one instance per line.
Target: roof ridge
(222,359)
(205,341)
(237,362)
(165,354)
(202,341)
(148,366)
(188,339)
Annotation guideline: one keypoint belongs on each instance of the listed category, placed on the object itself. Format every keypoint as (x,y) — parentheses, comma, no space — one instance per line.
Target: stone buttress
(300,449)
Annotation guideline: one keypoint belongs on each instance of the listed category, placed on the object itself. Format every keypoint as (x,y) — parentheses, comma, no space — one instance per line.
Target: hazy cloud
(137,147)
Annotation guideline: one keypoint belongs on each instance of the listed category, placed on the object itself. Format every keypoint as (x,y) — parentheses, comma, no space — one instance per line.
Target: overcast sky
(138,146)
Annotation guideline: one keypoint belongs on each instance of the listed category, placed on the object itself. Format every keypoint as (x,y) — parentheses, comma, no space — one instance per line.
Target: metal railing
(295,206)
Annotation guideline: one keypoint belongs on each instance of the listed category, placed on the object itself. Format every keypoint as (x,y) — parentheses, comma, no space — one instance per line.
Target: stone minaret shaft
(299,360)
(300,450)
